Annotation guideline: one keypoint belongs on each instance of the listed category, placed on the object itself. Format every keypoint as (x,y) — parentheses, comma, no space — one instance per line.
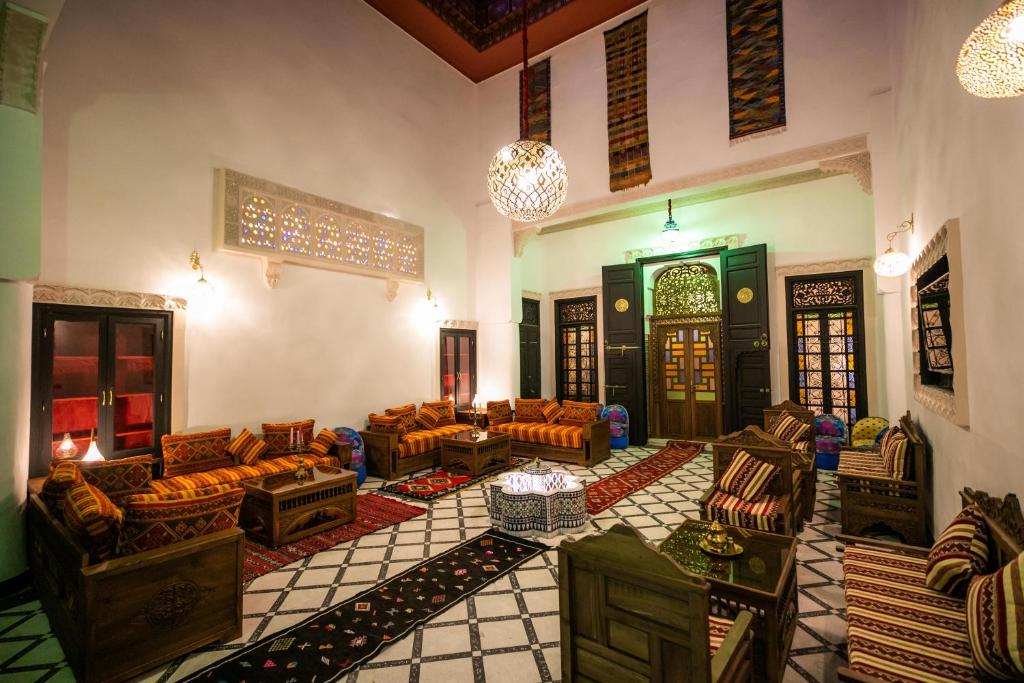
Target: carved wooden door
(624,378)
(745,335)
(687,392)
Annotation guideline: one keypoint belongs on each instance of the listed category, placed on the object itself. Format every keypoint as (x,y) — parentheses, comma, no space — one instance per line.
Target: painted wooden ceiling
(481,38)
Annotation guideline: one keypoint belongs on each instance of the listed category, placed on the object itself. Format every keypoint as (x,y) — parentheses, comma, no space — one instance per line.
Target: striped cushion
(425,440)
(561,435)
(790,429)
(94,519)
(55,489)
(196,452)
(239,473)
(447,410)
(385,424)
(155,520)
(767,514)
(895,455)
(322,442)
(995,621)
(121,477)
(718,629)
(579,414)
(407,415)
(530,409)
(960,552)
(747,477)
(498,412)
(552,412)
(883,447)
(276,434)
(247,448)
(862,464)
(428,417)
(898,629)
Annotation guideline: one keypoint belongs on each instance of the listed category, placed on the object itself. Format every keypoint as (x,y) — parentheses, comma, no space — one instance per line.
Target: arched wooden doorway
(685,352)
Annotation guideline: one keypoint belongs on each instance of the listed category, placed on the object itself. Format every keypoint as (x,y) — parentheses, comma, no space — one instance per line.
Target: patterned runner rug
(329,644)
(441,483)
(373,512)
(610,490)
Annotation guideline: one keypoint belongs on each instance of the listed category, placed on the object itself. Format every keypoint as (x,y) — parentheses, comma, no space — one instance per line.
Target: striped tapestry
(757,92)
(538,103)
(629,160)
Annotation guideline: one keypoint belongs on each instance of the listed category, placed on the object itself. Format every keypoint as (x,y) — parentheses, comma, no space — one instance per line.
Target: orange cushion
(577,413)
(323,442)
(276,434)
(563,436)
(447,410)
(385,424)
(121,477)
(247,448)
(428,417)
(425,440)
(55,489)
(155,520)
(552,411)
(407,414)
(196,452)
(91,516)
(530,409)
(499,412)
(240,473)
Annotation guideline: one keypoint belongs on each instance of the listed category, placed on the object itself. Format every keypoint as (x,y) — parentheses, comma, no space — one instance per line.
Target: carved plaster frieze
(725,241)
(825,267)
(575,293)
(460,324)
(530,294)
(858,165)
(521,237)
(88,296)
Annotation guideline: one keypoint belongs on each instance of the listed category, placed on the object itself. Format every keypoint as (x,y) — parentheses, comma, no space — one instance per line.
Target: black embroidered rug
(331,643)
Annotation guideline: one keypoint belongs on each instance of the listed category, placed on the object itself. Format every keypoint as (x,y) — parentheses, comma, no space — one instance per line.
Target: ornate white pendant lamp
(527,180)
(894,263)
(991,61)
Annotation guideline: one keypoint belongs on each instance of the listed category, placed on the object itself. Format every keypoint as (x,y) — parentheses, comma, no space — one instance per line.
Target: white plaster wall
(962,156)
(145,98)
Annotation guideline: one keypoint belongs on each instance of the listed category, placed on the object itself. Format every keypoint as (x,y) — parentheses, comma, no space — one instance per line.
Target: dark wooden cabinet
(458,366)
(529,350)
(102,371)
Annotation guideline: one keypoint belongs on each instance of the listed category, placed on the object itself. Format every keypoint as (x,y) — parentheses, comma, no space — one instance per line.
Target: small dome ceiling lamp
(671,235)
(991,61)
(894,263)
(527,179)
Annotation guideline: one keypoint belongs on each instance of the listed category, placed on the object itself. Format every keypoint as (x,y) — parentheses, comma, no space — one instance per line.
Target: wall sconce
(895,263)
(203,287)
(991,61)
(435,310)
(670,233)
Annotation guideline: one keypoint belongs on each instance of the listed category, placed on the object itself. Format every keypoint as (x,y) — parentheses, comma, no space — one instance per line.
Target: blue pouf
(360,474)
(618,425)
(827,461)
(358,464)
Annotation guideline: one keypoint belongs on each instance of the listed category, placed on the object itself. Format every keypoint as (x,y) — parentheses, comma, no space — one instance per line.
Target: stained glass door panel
(706,407)
(689,403)
(674,408)
(75,381)
(579,362)
(134,394)
(826,362)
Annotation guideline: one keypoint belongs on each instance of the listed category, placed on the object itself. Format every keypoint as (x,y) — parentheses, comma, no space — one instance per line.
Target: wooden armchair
(805,449)
(781,510)
(873,497)
(631,613)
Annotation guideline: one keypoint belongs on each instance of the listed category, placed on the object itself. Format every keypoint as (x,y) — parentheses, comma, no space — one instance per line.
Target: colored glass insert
(578,342)
(826,362)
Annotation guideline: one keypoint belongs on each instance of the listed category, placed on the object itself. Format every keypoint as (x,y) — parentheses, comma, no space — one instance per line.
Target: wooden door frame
(653,351)
(558,303)
(539,378)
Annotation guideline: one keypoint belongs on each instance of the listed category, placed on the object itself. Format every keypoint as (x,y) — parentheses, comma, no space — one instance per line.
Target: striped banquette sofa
(405,440)
(792,423)
(951,613)
(539,428)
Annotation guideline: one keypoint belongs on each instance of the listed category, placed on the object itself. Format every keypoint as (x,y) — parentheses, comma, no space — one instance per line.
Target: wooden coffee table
(761,580)
(491,451)
(278,509)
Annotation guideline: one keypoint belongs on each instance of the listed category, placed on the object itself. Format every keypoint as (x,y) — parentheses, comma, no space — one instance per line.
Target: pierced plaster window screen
(262,218)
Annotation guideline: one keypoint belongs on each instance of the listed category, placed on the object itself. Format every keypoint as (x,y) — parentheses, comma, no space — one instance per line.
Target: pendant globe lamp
(671,236)
(527,180)
(991,61)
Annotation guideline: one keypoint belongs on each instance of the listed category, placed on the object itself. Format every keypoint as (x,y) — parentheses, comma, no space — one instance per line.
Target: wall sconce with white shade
(203,288)
(991,61)
(894,263)
(435,309)
(671,235)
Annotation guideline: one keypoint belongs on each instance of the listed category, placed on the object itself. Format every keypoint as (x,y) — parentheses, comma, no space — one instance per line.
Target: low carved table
(489,451)
(279,509)
(761,580)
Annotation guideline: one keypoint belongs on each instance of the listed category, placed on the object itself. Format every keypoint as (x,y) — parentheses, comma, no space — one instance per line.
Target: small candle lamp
(475,407)
(93,453)
(66,449)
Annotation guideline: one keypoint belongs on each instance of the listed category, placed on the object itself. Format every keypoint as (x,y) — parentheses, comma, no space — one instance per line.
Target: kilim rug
(610,490)
(442,483)
(757,101)
(538,103)
(373,512)
(625,49)
(329,644)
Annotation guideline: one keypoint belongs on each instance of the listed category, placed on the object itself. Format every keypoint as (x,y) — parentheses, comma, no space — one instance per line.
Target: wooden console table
(278,509)
(491,451)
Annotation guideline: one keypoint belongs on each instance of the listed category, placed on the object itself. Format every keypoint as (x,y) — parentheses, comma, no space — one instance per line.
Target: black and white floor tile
(507,632)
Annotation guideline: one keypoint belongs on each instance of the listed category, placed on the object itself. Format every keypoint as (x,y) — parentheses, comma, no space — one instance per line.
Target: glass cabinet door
(75,382)
(458,366)
(133,394)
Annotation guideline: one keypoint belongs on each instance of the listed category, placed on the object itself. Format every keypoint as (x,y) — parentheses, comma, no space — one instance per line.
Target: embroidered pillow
(747,477)
(446,409)
(385,424)
(894,456)
(196,452)
(960,552)
(276,434)
(407,414)
(119,478)
(499,412)
(883,447)
(552,412)
(155,520)
(790,429)
(995,621)
(55,489)
(578,414)
(530,409)
(247,448)
(94,519)
(428,417)
(323,441)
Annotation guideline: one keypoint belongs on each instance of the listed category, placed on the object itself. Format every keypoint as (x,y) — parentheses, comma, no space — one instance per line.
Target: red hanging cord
(524,124)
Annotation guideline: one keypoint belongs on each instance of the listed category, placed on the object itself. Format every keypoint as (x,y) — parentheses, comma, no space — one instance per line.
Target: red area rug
(611,490)
(373,512)
(441,483)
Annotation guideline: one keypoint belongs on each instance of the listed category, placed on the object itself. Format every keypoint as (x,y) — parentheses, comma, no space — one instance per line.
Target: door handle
(761,343)
(621,348)
(614,387)
(103,397)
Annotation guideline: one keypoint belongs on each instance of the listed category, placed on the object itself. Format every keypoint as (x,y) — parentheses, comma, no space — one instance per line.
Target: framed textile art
(757,83)
(538,103)
(262,218)
(629,158)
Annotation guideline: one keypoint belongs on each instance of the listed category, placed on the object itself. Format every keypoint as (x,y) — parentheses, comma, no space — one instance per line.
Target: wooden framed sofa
(631,613)
(403,440)
(803,445)
(780,508)
(902,631)
(572,432)
(888,488)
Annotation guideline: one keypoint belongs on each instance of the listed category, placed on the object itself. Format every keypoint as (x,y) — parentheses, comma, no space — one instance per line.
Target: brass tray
(735,550)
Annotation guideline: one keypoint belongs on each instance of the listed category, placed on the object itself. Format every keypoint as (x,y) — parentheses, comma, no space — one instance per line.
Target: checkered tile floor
(507,632)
